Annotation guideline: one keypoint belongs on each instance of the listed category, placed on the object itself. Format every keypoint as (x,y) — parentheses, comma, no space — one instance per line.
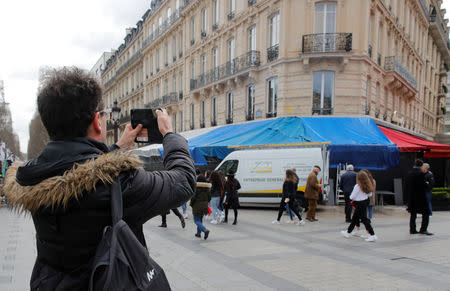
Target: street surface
(257,255)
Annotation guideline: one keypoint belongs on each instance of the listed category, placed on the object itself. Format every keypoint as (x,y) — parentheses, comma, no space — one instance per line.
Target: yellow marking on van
(281,145)
(264,171)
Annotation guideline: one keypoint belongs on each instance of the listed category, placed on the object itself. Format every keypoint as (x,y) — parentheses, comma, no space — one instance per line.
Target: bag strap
(116,202)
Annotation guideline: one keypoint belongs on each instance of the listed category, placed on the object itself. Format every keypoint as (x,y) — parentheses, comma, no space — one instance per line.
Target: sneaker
(183,223)
(276,222)
(301,222)
(214,221)
(345,234)
(371,238)
(197,235)
(206,234)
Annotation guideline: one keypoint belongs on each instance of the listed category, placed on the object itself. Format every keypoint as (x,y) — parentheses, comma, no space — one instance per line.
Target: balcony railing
(327,42)
(170,99)
(272,53)
(239,64)
(392,64)
(425,7)
(322,111)
(162,28)
(434,18)
(123,67)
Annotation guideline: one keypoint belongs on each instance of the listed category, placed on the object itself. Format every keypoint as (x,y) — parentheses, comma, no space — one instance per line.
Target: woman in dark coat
(199,204)
(232,200)
(289,191)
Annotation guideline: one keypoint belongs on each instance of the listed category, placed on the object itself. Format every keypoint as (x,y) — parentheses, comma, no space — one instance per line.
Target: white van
(261,172)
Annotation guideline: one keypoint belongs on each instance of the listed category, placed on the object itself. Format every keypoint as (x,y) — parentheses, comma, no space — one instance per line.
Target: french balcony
(272,53)
(326,43)
(170,99)
(399,77)
(162,28)
(238,65)
(322,111)
(154,104)
(439,34)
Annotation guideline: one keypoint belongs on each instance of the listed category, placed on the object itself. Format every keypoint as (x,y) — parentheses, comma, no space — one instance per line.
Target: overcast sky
(58,33)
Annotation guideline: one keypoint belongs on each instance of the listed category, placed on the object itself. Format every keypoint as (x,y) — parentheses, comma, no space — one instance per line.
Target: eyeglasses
(106,112)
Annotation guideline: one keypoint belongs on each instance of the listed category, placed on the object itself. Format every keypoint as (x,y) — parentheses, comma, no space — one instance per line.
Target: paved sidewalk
(257,255)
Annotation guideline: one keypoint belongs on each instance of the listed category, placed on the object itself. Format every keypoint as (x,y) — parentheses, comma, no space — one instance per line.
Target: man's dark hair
(418,163)
(316,166)
(67,101)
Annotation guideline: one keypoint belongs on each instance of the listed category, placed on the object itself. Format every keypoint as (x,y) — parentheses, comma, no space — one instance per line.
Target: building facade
(215,62)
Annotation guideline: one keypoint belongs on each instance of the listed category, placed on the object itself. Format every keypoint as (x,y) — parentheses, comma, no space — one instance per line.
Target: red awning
(410,143)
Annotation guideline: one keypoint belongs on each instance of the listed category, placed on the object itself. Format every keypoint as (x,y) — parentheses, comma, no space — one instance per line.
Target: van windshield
(229,166)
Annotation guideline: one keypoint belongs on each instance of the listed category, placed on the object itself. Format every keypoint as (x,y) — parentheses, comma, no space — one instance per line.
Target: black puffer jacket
(67,191)
(416,189)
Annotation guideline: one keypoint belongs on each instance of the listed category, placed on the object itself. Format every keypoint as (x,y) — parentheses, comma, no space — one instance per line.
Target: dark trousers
(235,212)
(291,206)
(412,222)
(361,214)
(174,210)
(348,207)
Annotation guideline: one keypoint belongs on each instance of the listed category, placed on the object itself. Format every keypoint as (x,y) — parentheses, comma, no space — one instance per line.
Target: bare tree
(7,134)
(38,136)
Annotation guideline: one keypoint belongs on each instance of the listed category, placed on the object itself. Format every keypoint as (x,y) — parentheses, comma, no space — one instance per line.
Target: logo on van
(262,167)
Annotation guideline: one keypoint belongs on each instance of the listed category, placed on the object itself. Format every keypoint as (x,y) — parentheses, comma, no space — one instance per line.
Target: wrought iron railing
(169,99)
(239,64)
(162,28)
(425,7)
(272,53)
(394,65)
(322,111)
(435,18)
(123,67)
(327,42)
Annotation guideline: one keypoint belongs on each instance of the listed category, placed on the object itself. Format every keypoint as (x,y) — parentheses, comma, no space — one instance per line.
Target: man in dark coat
(67,187)
(415,187)
(429,181)
(347,183)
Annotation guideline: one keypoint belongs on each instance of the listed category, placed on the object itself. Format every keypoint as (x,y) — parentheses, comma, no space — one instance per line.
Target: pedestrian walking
(217,189)
(177,213)
(67,188)
(199,204)
(288,197)
(360,195)
(416,187)
(373,198)
(346,184)
(429,181)
(312,194)
(232,197)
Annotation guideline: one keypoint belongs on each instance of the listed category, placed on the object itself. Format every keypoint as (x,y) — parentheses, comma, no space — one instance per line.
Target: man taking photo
(67,187)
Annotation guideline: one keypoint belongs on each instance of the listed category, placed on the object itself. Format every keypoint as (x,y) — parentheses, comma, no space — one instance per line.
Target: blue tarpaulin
(353,140)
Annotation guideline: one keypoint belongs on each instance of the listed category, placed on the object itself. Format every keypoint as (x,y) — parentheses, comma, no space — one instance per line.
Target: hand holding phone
(148,119)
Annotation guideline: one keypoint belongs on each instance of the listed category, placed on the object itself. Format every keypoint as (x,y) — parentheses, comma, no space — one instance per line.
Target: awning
(410,143)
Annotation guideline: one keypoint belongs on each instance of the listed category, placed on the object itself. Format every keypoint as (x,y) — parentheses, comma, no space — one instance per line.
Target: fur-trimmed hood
(58,190)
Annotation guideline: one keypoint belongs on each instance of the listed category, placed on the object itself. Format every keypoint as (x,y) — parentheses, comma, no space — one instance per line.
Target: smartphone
(148,119)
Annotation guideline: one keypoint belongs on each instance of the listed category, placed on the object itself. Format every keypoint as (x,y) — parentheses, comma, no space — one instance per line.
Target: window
(215,14)
(202,112)
(215,64)
(274,30)
(166,54)
(181,121)
(192,115)
(177,4)
(157,60)
(325,26)
(230,49)
(174,83)
(229,107)
(166,86)
(251,102)
(174,121)
(323,92)
(204,21)
(160,21)
(181,81)
(214,111)
(193,69)
(181,44)
(174,48)
(169,12)
(252,38)
(192,30)
(272,97)
(229,166)
(203,65)
(231,6)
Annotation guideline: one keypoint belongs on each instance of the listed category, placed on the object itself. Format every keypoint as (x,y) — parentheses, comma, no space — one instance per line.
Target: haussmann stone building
(216,62)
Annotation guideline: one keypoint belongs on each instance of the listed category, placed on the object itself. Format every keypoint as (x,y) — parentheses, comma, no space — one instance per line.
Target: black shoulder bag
(121,262)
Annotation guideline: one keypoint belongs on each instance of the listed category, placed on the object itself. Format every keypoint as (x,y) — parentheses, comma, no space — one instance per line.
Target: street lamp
(115,117)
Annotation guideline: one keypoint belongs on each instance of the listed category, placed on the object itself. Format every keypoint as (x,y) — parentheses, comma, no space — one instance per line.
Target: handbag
(121,262)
